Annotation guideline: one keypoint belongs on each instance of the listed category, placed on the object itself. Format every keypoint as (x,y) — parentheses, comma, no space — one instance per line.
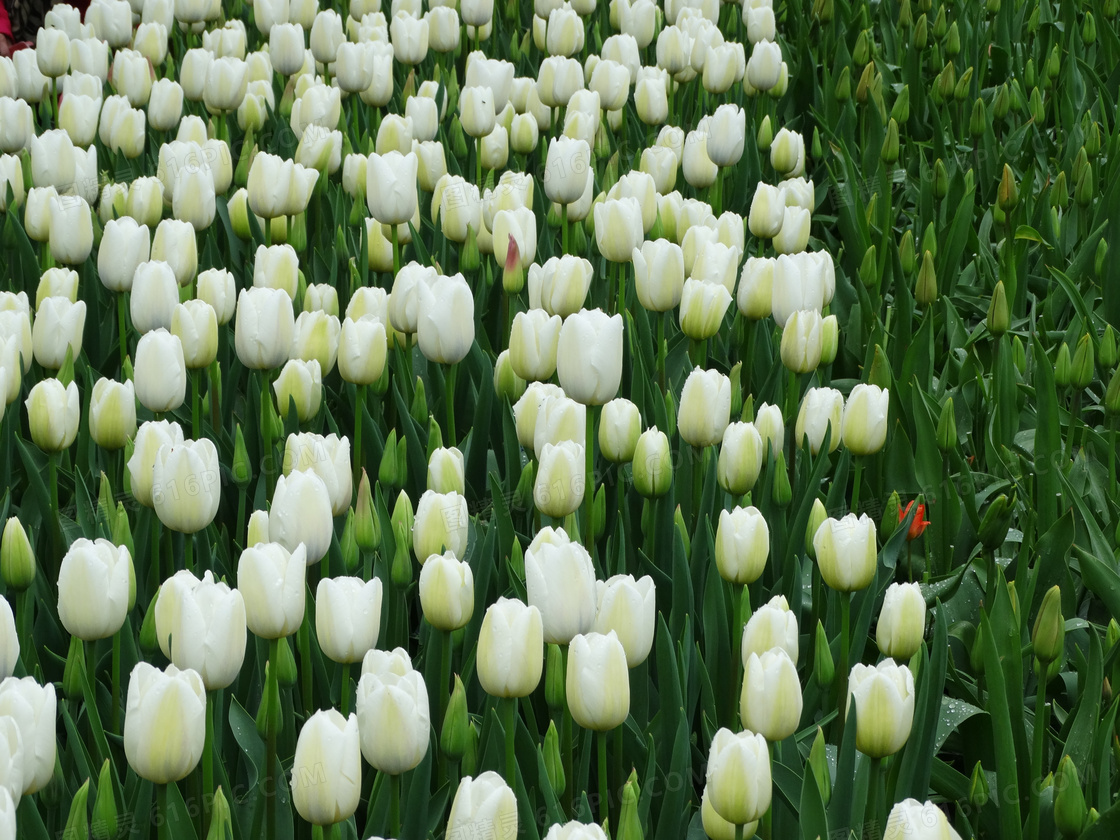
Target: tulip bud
(996,521)
(1069,800)
(77,823)
(823,668)
(1048,636)
(17,559)
(1008,193)
(926,290)
(781,493)
(999,317)
(978,790)
(1081,367)
(889,152)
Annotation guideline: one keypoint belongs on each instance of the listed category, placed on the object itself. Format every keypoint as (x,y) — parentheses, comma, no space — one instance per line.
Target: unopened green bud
(553,762)
(1069,801)
(1029,75)
(104,823)
(815,148)
(1008,193)
(863,86)
(458,139)
(929,236)
(523,494)
(906,254)
(953,40)
(670,414)
(947,427)
(455,731)
(149,641)
(599,513)
(736,388)
(999,316)
(348,544)
(978,790)
(1059,192)
(1112,395)
(419,407)
(77,824)
(889,152)
(269,712)
(1054,64)
(517,559)
(1086,187)
(1093,140)
(830,339)
(1002,103)
(401,568)
(367,524)
(880,373)
(1049,634)
(889,523)
(765,135)
(1092,817)
(469,764)
(861,54)
(823,10)
(17,559)
(941,24)
(73,675)
(1037,108)
(818,763)
(221,822)
(782,493)
(905,15)
(921,33)
(1063,368)
(629,823)
(435,440)
(817,516)
(947,82)
(1101,256)
(122,535)
(388,472)
(869,268)
(978,122)
(1089,29)
(992,7)
(926,290)
(1081,371)
(996,521)
(682,529)
(286,671)
(469,257)
(242,466)
(961,89)
(555,679)
(842,89)
(940,182)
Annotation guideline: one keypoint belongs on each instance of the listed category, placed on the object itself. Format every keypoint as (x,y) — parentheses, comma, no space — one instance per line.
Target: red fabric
(5,21)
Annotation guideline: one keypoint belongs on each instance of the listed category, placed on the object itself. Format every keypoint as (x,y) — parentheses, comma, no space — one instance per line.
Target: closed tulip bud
(1008,193)
(186,485)
(510,649)
(702,308)
(824,670)
(627,608)
(589,356)
(154,296)
(947,427)
(440,525)
(598,683)
(125,245)
(911,818)
(271,581)
(104,823)
(53,414)
(658,274)
(164,722)
(705,407)
(738,777)
(1048,636)
(817,516)
(926,290)
(1082,365)
(846,552)
(301,514)
(93,589)
(742,545)
(1063,368)
(821,412)
(446,592)
(995,521)
(32,710)
(347,617)
(1107,353)
(773,625)
(885,693)
(393,706)
(770,700)
(620,425)
(940,189)
(865,419)
(327,768)
(112,416)
(161,374)
(560,582)
(999,316)
(901,622)
(70,230)
(801,341)
(767,212)
(200,624)
(17,558)
(652,464)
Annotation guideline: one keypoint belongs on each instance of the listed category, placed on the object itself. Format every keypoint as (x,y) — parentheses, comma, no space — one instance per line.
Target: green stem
(589,481)
(115,708)
(1074,416)
(604,787)
(303,638)
(697,483)
(395,805)
(793,393)
(188,552)
(270,745)
(164,830)
(122,328)
(359,411)
(1036,754)
(739,832)
(737,590)
(620,268)
(842,673)
(748,357)
(444,674)
(196,423)
(154,562)
(344,703)
(871,815)
(449,401)
(208,758)
(858,474)
(662,349)
(564,227)
(266,436)
(510,725)
(478,162)
(396,250)
(566,738)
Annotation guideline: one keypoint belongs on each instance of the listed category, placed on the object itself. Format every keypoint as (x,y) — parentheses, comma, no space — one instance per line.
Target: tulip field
(560,420)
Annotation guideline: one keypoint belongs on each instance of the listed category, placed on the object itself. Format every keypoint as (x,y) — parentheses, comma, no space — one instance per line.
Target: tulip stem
(604,786)
(842,683)
(359,411)
(395,805)
(871,815)
(589,481)
(344,701)
(510,724)
(662,349)
(153,563)
(444,673)
(737,593)
(564,227)
(739,832)
(208,759)
(857,475)
(266,435)
(449,401)
(122,328)
(188,552)
(1036,753)
(196,422)
(269,781)
(164,830)
(396,250)
(620,268)
(115,708)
